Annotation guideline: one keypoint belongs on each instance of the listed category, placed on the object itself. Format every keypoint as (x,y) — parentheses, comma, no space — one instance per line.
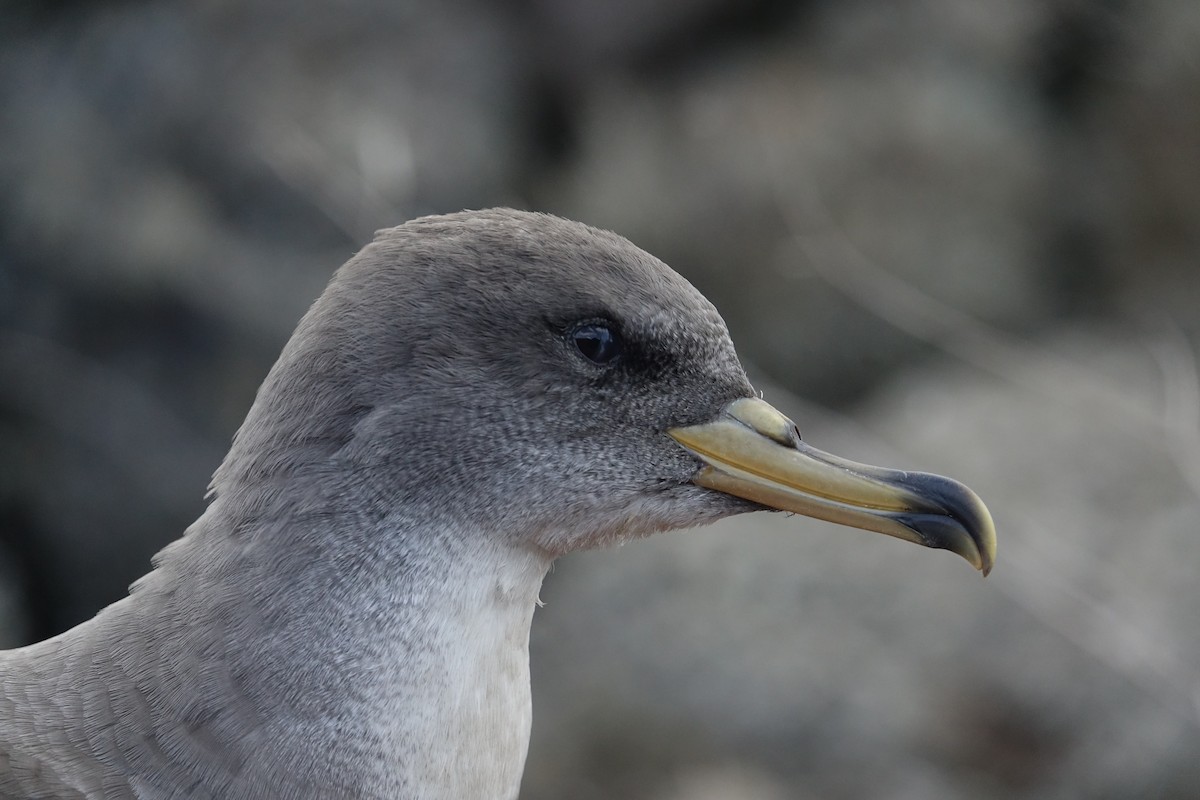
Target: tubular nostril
(766,420)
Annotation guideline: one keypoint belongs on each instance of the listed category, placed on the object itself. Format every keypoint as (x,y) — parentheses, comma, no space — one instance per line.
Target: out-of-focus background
(952,235)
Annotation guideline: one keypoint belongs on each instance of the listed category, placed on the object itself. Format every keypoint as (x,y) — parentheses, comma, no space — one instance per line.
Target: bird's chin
(683,506)
(707,506)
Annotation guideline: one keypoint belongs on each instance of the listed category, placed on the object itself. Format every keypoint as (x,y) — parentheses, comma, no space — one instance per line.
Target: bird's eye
(597,342)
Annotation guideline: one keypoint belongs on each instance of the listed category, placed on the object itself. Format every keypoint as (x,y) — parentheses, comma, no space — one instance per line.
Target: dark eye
(597,342)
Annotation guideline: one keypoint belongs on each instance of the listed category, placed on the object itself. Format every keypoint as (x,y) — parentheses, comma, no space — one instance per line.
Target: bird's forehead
(507,260)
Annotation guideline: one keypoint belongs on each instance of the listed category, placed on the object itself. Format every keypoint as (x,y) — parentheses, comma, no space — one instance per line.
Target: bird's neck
(391,666)
(455,712)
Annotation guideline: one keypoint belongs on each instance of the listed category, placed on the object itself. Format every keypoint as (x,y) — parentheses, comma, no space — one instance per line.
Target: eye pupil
(598,343)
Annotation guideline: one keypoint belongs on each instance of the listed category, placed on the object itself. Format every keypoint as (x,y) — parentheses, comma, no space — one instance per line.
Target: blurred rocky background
(953,235)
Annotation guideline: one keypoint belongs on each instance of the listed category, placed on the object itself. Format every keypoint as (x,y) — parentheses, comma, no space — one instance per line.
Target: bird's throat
(455,711)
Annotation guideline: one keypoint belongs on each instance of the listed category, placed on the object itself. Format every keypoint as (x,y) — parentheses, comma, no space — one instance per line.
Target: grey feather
(350,616)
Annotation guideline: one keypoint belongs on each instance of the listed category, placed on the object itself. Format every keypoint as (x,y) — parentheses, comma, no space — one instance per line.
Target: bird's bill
(754,452)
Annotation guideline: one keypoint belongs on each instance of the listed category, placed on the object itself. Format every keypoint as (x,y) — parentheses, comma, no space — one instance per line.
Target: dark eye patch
(597,342)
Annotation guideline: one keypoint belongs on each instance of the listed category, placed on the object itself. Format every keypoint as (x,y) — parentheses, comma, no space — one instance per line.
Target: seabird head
(541,379)
(472,396)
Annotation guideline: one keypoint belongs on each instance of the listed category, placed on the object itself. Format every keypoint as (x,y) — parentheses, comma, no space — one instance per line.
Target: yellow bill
(754,452)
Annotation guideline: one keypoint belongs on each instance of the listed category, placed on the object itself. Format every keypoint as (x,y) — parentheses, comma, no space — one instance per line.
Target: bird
(473,396)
